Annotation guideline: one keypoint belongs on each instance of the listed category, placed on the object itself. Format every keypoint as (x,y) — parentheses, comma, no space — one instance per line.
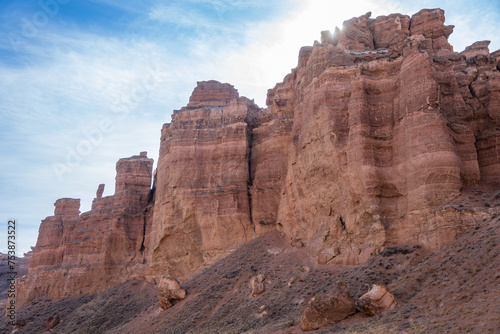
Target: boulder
(325,310)
(257,285)
(379,299)
(169,292)
(52,322)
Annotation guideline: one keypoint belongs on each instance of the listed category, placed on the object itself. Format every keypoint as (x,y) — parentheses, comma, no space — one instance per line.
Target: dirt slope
(454,290)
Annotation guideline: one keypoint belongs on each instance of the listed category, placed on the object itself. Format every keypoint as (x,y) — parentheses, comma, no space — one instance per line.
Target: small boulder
(257,284)
(325,310)
(379,299)
(52,322)
(297,242)
(18,324)
(169,292)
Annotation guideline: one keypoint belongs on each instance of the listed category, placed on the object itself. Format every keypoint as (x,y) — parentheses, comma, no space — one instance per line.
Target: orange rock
(365,144)
(202,208)
(379,299)
(79,254)
(257,285)
(380,140)
(169,292)
(325,310)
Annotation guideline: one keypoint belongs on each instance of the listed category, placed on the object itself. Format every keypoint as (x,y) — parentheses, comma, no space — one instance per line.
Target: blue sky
(85,83)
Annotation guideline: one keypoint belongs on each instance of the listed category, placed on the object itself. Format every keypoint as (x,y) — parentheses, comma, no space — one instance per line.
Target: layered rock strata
(373,140)
(389,125)
(203,207)
(89,252)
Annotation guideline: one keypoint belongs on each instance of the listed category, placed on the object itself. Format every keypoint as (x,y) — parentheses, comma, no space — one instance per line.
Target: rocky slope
(382,136)
(454,290)
(21,269)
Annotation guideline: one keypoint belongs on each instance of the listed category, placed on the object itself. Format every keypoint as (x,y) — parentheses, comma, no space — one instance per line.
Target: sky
(85,83)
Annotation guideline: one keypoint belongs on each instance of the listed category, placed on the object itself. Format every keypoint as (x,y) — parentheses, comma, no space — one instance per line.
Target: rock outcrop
(89,252)
(203,207)
(388,125)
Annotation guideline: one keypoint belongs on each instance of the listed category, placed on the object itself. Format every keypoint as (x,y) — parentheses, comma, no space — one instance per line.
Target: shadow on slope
(454,289)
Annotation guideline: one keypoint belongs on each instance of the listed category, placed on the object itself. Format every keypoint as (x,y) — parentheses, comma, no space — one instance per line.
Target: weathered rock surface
(325,310)
(370,142)
(169,292)
(202,212)
(383,137)
(89,252)
(379,299)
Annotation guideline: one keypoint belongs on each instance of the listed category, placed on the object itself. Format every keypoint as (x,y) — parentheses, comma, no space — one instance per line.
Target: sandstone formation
(365,144)
(371,141)
(169,292)
(203,206)
(324,310)
(84,253)
(388,126)
(379,299)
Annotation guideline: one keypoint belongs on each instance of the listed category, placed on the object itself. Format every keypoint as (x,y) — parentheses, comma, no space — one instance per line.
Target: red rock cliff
(79,254)
(202,209)
(369,142)
(374,139)
(389,125)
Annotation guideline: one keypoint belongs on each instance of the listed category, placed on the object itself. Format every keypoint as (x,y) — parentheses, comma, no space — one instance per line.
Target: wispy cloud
(177,15)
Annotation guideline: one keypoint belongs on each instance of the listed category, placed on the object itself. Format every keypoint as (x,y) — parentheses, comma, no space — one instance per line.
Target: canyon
(382,136)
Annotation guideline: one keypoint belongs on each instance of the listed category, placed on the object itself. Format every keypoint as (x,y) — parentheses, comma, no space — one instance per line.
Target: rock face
(379,299)
(370,142)
(386,126)
(324,310)
(203,205)
(84,253)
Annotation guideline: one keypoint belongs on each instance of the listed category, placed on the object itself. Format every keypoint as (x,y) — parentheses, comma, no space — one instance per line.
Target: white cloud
(272,47)
(178,15)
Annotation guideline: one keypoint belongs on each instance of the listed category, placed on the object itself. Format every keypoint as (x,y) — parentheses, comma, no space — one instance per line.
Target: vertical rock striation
(89,252)
(371,141)
(389,124)
(202,209)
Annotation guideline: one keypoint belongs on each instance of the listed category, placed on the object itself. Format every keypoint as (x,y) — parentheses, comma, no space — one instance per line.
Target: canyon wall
(89,252)
(203,209)
(378,137)
(369,142)
(389,126)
